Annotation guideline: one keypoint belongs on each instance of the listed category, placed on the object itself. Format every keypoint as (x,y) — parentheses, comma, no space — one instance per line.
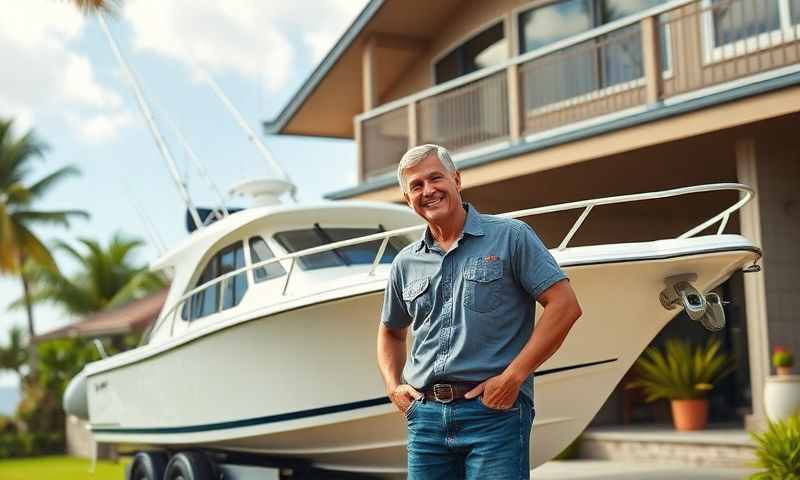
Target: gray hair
(417,154)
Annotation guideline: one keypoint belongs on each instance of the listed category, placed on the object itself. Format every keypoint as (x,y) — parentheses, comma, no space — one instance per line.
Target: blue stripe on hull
(283,417)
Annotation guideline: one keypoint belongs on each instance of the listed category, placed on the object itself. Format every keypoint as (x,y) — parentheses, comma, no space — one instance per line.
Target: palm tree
(18,243)
(106,278)
(97,6)
(13,356)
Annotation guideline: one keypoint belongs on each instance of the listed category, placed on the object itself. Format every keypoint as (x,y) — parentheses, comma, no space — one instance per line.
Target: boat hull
(304,383)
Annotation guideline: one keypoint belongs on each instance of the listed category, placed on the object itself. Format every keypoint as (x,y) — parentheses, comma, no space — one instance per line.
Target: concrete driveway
(608,470)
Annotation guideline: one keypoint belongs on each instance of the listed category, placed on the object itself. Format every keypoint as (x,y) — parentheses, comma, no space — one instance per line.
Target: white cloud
(40,71)
(256,39)
(103,127)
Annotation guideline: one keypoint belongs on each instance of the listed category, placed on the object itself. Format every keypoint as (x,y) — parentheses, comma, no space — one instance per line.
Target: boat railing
(745,194)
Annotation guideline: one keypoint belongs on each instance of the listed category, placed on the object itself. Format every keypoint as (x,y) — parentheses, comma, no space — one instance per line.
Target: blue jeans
(467,440)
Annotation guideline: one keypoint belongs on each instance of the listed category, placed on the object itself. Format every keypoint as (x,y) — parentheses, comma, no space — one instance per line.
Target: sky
(58,77)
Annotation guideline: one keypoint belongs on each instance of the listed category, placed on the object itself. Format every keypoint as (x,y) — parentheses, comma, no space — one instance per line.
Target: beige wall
(471,17)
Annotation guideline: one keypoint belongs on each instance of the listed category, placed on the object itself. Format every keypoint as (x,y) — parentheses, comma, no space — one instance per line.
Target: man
(467,291)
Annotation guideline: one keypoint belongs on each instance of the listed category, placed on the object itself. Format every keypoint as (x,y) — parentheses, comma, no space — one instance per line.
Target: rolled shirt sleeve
(534,267)
(394,315)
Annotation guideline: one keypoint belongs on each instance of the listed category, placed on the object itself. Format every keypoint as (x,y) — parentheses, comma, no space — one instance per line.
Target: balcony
(679,50)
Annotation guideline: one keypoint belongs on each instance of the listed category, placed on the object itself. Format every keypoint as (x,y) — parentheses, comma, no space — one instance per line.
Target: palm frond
(680,370)
(89,7)
(43,185)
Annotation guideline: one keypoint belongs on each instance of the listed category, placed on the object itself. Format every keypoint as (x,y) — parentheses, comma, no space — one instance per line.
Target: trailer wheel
(148,466)
(189,466)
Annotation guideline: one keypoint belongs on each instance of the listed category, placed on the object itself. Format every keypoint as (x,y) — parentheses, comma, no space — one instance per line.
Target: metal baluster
(288,276)
(378,257)
(723,223)
(575,227)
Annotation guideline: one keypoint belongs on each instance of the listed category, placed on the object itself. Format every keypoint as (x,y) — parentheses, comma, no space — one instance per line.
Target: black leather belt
(447,392)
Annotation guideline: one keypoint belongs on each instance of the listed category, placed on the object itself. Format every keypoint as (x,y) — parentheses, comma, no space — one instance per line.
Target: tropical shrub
(778,451)
(682,371)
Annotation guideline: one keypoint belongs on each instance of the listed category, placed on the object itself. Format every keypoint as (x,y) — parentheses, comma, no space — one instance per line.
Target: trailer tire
(189,466)
(148,466)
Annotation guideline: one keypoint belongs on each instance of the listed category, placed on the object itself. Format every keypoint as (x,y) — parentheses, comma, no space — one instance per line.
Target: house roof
(327,101)
(132,317)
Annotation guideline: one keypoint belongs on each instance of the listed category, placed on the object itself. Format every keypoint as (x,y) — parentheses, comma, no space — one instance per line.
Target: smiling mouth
(432,203)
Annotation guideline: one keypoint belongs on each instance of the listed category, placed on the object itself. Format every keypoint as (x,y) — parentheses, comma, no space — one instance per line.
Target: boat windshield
(363,253)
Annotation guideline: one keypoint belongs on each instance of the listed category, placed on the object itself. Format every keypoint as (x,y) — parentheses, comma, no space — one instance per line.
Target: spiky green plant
(682,371)
(778,451)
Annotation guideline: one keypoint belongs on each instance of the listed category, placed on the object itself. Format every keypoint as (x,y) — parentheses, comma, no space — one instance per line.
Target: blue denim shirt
(471,309)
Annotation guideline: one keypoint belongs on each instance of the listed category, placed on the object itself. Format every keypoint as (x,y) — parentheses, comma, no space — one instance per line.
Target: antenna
(149,228)
(251,135)
(198,165)
(148,115)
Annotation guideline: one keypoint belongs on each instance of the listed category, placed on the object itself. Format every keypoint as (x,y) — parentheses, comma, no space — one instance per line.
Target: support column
(369,74)
(413,126)
(754,288)
(358,137)
(512,80)
(651,50)
(514,115)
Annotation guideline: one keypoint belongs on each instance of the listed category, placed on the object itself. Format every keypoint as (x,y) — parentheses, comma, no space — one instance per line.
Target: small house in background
(112,324)
(545,102)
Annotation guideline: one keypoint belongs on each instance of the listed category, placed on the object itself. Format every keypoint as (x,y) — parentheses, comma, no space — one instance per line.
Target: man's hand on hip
(498,392)
(403,395)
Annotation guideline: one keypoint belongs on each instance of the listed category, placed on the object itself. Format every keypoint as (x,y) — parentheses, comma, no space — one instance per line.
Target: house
(552,101)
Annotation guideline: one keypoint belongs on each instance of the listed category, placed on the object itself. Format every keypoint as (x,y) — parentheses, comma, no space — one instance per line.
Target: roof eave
(278,124)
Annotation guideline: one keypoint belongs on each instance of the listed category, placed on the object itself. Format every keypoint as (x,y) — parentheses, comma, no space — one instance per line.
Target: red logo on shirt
(490,258)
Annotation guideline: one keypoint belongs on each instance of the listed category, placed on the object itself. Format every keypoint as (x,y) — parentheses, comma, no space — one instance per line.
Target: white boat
(275,356)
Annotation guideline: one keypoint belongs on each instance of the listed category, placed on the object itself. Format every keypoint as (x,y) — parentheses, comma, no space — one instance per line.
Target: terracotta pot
(691,414)
(783,370)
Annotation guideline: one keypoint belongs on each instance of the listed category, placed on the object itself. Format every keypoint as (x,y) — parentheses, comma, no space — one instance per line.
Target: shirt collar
(472,226)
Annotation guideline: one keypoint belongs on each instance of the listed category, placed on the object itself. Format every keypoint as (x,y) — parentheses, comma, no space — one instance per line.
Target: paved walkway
(610,470)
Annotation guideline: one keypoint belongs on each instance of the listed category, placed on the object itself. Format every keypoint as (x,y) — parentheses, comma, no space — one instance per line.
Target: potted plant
(782,391)
(782,360)
(778,451)
(683,374)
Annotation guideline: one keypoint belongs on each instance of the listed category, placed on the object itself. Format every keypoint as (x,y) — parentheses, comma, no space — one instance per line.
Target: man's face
(432,191)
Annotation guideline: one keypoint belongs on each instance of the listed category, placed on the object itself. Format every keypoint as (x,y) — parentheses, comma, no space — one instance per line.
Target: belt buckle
(443,387)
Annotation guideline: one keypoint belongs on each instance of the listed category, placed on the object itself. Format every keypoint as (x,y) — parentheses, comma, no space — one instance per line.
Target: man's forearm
(554,325)
(391,356)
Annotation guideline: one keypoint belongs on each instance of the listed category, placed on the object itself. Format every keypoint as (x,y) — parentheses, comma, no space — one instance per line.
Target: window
(596,64)
(221,295)
(542,26)
(483,50)
(364,253)
(737,27)
(259,252)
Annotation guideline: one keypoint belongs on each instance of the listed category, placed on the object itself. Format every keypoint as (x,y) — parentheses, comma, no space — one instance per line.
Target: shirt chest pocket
(417,297)
(482,283)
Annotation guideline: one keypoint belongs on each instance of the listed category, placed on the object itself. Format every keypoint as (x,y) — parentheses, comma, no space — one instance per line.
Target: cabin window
(221,295)
(483,50)
(259,252)
(364,253)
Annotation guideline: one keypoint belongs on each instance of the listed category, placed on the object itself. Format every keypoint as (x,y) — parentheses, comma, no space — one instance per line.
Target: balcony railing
(662,53)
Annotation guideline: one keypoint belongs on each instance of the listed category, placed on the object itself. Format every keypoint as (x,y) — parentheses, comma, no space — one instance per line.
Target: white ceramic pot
(782,396)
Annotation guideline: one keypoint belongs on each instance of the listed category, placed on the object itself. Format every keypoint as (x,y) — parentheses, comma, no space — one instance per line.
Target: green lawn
(59,468)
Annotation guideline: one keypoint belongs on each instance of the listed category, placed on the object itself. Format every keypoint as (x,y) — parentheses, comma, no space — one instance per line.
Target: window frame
(186,315)
(251,262)
(786,32)
(601,91)
(501,19)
